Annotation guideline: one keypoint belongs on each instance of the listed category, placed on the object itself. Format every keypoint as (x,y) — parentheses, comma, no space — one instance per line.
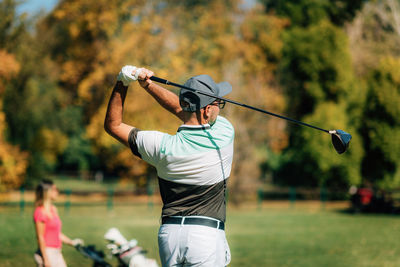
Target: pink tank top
(52,227)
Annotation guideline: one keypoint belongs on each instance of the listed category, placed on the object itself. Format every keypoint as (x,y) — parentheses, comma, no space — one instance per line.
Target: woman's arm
(39,227)
(72,242)
(66,240)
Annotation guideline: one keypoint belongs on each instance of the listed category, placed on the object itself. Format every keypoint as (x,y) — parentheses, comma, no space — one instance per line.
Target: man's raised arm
(113,122)
(164,97)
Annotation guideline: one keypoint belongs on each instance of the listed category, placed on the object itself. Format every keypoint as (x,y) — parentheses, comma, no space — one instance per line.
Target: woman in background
(48,227)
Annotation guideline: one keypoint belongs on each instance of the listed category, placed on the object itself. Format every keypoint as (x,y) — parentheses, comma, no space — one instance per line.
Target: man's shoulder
(150,138)
(152,134)
(223,124)
(222,119)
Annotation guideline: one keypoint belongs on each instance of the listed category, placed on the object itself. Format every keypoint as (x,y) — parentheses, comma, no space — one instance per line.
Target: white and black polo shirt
(192,166)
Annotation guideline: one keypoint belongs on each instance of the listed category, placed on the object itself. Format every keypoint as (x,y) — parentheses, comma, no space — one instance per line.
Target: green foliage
(315,67)
(310,12)
(31,107)
(317,74)
(78,154)
(381,129)
(11,26)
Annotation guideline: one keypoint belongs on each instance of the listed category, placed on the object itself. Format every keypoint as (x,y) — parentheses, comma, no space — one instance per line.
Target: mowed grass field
(274,235)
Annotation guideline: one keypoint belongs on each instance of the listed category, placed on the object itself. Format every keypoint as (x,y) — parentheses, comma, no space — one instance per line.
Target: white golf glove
(125,75)
(77,241)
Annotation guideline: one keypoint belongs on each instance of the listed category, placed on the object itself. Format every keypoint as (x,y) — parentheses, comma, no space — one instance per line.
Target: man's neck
(194,121)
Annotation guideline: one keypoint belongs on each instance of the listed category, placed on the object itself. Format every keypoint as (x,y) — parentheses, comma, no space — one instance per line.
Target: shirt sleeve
(38,215)
(149,145)
(132,142)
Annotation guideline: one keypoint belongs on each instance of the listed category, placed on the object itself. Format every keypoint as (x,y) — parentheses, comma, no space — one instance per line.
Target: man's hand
(128,74)
(144,77)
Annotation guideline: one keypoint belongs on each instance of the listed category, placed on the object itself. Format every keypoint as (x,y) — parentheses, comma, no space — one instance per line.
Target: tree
(374,43)
(317,73)
(374,34)
(304,13)
(13,161)
(214,38)
(381,130)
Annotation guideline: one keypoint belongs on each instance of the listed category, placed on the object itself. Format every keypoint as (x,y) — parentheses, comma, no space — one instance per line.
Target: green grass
(80,185)
(282,236)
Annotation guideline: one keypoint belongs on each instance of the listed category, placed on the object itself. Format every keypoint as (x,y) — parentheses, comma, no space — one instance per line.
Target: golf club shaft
(160,80)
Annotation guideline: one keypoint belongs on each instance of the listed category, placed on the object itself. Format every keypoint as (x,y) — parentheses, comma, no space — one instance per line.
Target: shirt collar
(194,127)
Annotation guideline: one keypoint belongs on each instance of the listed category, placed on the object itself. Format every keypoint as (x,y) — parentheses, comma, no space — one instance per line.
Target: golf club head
(340,140)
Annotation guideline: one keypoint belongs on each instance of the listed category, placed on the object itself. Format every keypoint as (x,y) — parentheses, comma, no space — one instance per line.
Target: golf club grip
(159,80)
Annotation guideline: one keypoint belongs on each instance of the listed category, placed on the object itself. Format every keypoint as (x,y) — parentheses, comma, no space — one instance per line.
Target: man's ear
(207,112)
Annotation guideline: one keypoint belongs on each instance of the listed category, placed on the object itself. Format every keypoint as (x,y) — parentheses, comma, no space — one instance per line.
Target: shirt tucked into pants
(193,245)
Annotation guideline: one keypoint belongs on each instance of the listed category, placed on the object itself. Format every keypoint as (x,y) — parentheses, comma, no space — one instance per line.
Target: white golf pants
(192,245)
(54,255)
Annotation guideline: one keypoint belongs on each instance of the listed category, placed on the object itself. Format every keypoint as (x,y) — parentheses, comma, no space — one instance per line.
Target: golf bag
(129,254)
(93,254)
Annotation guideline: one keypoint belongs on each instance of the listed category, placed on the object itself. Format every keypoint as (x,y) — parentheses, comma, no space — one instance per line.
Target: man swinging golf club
(192,166)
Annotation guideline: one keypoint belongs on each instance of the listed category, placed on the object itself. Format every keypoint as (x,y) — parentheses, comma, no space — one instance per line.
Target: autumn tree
(216,38)
(13,161)
(34,104)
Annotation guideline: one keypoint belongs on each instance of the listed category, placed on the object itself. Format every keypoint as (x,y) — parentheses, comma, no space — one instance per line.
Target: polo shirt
(192,166)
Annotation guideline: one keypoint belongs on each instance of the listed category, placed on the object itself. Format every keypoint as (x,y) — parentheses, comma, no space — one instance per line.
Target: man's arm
(113,122)
(164,97)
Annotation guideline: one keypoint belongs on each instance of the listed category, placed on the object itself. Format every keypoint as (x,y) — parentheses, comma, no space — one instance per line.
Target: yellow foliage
(215,38)
(8,67)
(53,143)
(13,162)
(391,65)
(71,72)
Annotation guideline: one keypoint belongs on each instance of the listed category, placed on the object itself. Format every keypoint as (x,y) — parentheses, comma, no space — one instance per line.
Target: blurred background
(334,64)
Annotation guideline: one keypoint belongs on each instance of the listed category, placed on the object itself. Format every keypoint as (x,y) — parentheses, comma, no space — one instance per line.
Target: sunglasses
(220,104)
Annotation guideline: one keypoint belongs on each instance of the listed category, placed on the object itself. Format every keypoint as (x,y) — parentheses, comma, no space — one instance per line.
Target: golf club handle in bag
(163,81)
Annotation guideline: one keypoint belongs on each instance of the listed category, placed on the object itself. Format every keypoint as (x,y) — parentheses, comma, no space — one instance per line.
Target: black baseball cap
(192,101)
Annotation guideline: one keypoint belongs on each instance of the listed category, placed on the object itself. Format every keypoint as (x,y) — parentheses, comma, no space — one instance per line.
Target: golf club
(340,139)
